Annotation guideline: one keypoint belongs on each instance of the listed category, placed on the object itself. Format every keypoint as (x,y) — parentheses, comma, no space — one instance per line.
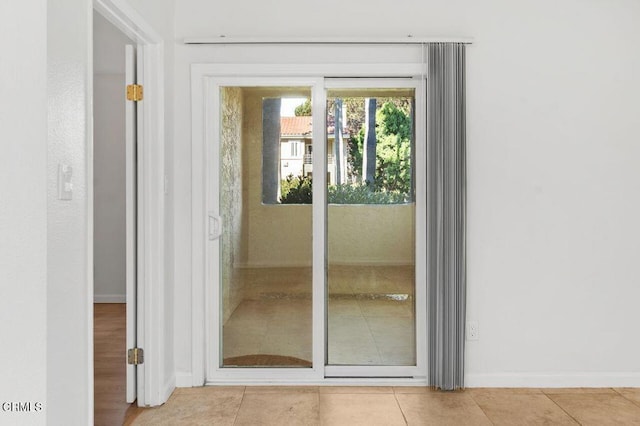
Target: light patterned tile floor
(348,406)
(344,405)
(370,310)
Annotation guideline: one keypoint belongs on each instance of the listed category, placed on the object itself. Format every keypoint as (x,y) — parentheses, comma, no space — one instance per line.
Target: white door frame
(152,389)
(206,79)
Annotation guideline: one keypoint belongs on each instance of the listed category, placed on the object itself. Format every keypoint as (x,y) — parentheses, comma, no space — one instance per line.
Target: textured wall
(69,312)
(231,196)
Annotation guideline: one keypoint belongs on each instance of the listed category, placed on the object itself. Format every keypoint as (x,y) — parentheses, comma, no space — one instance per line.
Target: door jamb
(156,389)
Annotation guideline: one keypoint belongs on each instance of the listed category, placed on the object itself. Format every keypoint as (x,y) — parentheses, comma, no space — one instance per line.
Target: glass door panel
(266,214)
(371,227)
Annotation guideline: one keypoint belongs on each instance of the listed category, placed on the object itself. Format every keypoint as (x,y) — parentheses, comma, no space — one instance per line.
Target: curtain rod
(325,40)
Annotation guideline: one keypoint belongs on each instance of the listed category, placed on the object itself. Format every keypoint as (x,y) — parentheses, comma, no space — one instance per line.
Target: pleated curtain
(446,214)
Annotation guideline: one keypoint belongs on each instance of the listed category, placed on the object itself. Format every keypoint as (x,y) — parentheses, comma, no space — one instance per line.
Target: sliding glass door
(266,241)
(314,194)
(371,227)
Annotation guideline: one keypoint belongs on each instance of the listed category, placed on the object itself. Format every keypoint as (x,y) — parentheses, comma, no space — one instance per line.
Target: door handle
(215,226)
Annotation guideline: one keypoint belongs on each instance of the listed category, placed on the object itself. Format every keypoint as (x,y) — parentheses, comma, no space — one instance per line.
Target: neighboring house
(296,148)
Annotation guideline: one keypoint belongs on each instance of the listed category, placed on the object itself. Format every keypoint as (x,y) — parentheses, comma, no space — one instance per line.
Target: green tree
(392,118)
(356,142)
(393,132)
(370,143)
(304,109)
(354,126)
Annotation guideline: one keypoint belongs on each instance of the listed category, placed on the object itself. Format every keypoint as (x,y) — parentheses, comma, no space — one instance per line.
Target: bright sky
(288,106)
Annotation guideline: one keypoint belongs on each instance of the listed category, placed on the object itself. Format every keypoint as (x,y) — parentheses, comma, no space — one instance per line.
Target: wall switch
(472,330)
(65,186)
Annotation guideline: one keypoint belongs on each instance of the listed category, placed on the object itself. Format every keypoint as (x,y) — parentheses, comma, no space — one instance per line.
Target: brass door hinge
(134,92)
(135,356)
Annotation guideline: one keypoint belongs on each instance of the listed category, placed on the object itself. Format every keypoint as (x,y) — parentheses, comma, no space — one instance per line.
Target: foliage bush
(298,190)
(363,194)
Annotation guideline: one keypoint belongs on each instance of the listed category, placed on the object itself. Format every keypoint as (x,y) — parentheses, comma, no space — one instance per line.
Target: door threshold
(327,381)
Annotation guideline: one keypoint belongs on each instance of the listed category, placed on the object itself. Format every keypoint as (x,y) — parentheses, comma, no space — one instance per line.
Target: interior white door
(131,225)
(142,385)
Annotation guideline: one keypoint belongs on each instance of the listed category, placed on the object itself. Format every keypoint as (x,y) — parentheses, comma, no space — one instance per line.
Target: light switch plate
(65,186)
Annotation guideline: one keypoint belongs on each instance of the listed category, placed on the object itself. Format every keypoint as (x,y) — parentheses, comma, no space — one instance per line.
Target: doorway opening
(144,355)
(114,222)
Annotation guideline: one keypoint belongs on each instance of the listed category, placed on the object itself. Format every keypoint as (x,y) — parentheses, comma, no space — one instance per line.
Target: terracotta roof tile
(302,127)
(295,126)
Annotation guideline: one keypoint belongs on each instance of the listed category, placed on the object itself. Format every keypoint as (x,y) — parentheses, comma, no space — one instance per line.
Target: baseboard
(168,388)
(506,380)
(556,380)
(184,380)
(380,262)
(109,298)
(329,381)
(269,265)
(284,264)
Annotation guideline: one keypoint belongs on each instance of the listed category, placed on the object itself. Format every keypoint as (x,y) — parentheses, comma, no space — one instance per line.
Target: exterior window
(370,146)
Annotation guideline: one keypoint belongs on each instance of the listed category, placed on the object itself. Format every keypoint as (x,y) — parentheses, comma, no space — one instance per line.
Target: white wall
(23,209)
(69,289)
(109,162)
(553,235)
(108,47)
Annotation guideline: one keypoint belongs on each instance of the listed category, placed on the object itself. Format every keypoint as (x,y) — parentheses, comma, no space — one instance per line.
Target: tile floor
(346,405)
(389,406)
(370,311)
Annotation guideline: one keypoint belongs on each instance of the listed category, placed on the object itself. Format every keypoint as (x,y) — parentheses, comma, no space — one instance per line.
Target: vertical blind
(446,214)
